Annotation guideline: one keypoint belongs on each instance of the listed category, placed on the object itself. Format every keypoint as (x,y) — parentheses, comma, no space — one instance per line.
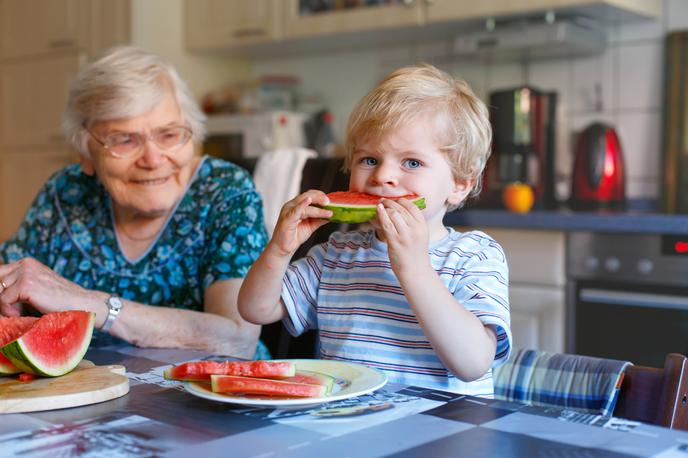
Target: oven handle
(606,296)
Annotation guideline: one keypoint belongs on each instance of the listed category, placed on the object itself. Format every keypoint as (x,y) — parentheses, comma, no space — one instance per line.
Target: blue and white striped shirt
(345,288)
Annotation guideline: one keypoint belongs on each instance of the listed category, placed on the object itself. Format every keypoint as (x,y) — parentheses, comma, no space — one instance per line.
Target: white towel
(277,176)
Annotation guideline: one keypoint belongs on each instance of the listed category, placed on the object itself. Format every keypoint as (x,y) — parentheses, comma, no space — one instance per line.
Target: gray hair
(124,83)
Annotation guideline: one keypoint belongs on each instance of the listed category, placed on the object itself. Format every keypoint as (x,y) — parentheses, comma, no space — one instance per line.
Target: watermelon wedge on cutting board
(12,328)
(359,207)
(53,345)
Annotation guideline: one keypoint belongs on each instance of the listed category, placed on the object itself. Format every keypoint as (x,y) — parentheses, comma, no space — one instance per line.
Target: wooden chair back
(656,395)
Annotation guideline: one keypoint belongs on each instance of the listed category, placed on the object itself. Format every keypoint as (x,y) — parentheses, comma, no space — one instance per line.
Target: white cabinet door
(537,317)
(534,257)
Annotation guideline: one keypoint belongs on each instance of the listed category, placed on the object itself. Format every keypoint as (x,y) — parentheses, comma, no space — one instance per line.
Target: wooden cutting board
(87,384)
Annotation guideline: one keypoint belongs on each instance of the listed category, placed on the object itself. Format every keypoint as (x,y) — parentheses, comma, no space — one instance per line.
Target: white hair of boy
(124,83)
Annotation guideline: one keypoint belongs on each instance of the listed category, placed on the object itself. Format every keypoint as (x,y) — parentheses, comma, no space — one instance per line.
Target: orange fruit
(518,197)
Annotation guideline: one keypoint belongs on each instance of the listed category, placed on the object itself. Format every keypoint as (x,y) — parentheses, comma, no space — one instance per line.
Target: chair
(656,395)
(597,385)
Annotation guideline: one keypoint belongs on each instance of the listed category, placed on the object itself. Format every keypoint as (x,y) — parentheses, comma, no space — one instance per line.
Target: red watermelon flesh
(358,199)
(359,207)
(264,387)
(202,370)
(12,328)
(313,378)
(54,345)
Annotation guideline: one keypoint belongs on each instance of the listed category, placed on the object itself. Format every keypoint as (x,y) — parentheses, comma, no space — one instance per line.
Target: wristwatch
(114,304)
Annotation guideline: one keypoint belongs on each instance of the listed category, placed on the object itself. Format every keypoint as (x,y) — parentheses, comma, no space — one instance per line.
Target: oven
(627,296)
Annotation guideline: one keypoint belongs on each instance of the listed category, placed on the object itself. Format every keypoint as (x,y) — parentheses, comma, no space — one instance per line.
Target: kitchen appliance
(523,123)
(533,37)
(675,141)
(234,136)
(598,178)
(627,296)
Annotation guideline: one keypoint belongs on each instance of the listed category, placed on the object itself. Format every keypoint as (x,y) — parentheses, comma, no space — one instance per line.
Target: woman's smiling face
(151,181)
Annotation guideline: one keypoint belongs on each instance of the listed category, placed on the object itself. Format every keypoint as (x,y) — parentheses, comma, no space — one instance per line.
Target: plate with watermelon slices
(305,383)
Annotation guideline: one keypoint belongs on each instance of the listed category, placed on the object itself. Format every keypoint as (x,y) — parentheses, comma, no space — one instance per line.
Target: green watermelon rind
(7,368)
(359,213)
(17,352)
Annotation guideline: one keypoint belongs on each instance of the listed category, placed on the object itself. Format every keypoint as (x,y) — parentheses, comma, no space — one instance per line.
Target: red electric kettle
(598,179)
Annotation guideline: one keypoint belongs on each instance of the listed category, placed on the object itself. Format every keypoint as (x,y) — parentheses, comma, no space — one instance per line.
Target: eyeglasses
(127,144)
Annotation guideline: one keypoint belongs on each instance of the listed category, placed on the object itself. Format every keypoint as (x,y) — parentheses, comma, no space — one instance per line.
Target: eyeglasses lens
(168,139)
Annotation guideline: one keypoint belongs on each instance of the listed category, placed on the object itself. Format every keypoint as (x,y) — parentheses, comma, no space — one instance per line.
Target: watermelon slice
(359,207)
(313,378)
(54,345)
(12,328)
(202,370)
(264,386)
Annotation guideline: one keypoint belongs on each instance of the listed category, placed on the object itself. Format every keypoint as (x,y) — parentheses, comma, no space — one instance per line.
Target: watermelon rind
(26,360)
(352,214)
(6,367)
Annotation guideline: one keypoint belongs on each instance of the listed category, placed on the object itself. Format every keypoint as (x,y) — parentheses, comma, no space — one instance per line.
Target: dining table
(164,418)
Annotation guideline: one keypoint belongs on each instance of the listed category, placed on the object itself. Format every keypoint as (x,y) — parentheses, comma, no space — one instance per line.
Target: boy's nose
(385,176)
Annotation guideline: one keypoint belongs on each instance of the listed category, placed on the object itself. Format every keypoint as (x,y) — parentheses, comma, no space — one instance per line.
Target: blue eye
(370,161)
(412,163)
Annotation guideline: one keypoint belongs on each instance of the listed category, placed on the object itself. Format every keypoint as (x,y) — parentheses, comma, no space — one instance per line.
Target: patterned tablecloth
(159,418)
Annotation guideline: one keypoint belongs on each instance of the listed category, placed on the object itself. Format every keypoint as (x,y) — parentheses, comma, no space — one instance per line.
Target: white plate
(350,380)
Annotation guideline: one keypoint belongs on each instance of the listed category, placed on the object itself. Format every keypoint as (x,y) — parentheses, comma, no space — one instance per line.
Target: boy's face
(408,161)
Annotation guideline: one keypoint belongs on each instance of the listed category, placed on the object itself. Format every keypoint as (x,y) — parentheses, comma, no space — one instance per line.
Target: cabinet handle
(242,33)
(62,43)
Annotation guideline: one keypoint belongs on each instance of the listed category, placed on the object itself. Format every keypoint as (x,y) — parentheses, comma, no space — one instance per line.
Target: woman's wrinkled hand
(298,220)
(405,230)
(28,281)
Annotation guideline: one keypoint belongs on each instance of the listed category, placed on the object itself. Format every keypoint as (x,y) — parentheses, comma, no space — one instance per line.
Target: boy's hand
(298,220)
(405,231)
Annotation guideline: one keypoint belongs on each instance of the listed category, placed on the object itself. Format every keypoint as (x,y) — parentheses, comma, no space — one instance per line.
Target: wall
(158,26)
(628,74)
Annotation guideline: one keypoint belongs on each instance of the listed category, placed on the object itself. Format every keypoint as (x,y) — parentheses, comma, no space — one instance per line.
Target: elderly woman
(151,237)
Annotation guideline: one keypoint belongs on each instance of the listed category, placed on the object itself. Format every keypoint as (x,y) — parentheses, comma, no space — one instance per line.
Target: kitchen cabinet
(33,94)
(212,24)
(23,171)
(40,27)
(537,286)
(405,13)
(32,27)
(265,27)
(300,23)
(43,43)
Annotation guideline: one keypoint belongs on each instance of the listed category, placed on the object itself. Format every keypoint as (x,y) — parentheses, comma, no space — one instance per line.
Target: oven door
(633,322)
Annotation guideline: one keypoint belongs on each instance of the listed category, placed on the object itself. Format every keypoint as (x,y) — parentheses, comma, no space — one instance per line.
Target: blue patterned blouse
(215,233)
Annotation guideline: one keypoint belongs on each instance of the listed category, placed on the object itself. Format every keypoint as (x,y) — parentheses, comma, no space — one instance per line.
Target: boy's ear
(86,165)
(460,191)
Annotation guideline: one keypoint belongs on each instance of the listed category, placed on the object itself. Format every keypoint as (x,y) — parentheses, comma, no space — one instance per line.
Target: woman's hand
(29,281)
(298,220)
(405,231)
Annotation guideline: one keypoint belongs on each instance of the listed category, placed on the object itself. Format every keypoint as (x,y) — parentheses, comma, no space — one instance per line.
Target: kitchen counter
(631,222)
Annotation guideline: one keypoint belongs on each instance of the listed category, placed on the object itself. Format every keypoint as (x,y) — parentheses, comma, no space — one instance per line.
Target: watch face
(115,303)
